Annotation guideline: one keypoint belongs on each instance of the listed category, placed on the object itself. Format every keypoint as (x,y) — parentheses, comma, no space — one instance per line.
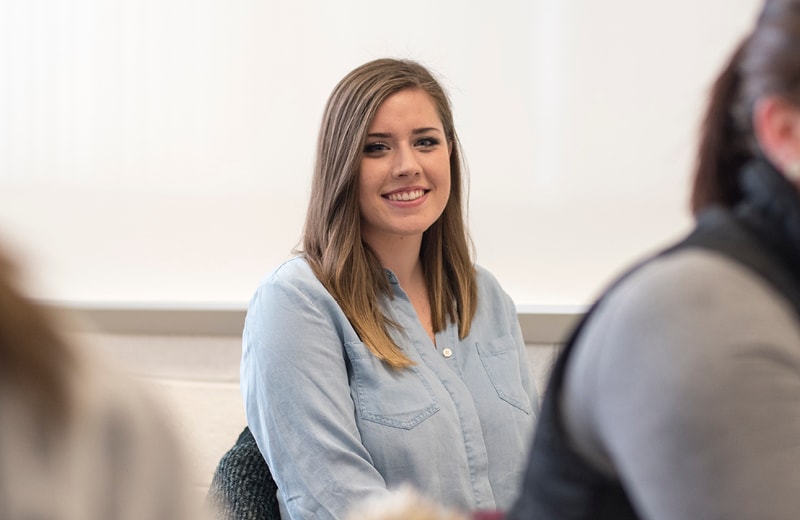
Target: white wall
(158,152)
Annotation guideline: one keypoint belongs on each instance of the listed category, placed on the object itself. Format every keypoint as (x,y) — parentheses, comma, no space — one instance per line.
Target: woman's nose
(406,164)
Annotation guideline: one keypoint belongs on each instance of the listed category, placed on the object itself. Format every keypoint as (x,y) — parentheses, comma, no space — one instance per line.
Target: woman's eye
(375,147)
(427,142)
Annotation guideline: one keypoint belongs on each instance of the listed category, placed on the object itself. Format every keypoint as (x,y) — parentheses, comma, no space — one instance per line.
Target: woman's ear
(776,123)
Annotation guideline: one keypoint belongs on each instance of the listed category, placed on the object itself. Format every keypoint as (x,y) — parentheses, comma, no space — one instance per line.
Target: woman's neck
(401,256)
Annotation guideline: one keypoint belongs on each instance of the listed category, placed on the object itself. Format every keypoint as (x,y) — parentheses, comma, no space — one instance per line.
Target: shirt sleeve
(686,387)
(297,401)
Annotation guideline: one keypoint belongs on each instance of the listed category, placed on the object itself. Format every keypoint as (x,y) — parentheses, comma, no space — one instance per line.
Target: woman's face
(404,176)
(777,126)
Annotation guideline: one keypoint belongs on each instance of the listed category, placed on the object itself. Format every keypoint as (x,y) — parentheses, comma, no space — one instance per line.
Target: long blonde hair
(332,242)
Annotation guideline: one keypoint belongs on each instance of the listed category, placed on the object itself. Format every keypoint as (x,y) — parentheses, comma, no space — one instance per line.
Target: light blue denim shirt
(336,425)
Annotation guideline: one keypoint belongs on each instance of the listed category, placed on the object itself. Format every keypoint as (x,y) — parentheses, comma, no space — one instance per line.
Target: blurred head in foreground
(403,504)
(754,109)
(78,439)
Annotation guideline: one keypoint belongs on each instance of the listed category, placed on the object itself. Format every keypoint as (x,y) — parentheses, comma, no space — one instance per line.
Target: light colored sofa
(190,364)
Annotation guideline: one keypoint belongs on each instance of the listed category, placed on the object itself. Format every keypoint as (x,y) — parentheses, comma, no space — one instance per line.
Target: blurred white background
(158,152)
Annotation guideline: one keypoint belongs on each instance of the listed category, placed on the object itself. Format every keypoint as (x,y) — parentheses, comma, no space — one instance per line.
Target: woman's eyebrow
(416,131)
(425,130)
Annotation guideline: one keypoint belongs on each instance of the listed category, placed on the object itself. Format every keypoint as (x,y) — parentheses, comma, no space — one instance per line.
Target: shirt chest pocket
(500,358)
(400,398)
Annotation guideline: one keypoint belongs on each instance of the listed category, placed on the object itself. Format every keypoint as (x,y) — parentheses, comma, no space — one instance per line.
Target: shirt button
(447,352)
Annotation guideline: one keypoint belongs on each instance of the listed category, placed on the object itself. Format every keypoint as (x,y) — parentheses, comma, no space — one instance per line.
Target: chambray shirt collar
(391,277)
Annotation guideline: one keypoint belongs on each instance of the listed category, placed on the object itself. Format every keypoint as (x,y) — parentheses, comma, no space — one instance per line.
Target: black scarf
(770,207)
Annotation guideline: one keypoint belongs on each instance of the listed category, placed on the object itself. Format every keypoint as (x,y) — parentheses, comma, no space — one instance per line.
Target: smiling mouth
(405,196)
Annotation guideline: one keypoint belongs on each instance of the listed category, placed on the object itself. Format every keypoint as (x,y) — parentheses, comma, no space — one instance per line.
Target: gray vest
(559,484)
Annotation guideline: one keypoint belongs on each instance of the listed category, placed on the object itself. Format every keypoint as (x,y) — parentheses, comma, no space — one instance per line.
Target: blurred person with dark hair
(678,397)
(78,440)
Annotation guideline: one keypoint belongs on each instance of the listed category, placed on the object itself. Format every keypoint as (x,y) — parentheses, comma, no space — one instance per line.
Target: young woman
(381,354)
(679,397)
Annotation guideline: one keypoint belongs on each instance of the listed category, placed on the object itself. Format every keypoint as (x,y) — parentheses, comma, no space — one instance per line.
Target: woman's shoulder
(495,305)
(689,308)
(294,269)
(486,279)
(290,290)
(695,284)
(293,274)
(682,328)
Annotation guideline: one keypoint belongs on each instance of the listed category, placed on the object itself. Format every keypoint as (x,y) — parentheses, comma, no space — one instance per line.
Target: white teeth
(407,195)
